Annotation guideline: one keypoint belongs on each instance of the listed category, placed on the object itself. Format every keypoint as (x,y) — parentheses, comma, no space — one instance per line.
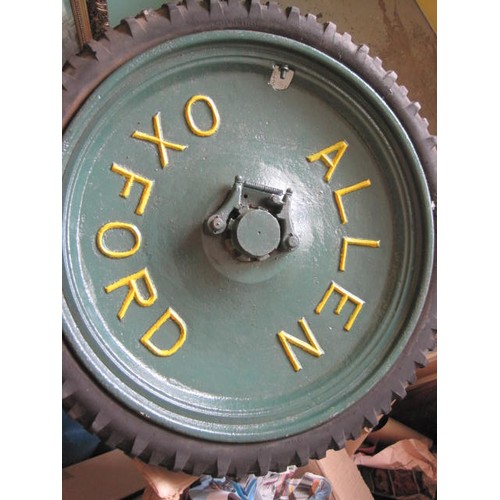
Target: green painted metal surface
(231,379)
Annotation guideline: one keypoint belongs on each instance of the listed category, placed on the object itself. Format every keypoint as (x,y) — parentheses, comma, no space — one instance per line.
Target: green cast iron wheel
(248,238)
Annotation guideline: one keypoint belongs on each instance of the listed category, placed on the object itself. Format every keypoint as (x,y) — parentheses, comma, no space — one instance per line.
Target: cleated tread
(399,391)
(175,13)
(181,460)
(156,458)
(371,419)
(216,10)
(223,464)
(293,15)
(99,423)
(139,446)
(263,462)
(256,9)
(413,108)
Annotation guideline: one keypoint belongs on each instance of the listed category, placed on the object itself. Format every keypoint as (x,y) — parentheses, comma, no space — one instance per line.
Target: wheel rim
(221,385)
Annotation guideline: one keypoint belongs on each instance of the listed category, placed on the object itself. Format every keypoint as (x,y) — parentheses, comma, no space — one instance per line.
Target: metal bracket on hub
(245,197)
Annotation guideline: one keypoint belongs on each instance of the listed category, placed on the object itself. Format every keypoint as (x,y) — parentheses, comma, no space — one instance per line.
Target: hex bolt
(292,242)
(216,224)
(275,200)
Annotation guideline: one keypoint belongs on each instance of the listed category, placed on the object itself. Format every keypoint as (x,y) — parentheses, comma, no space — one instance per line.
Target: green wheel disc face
(227,375)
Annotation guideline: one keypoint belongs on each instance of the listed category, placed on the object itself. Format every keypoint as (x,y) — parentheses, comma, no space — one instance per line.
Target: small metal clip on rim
(281,77)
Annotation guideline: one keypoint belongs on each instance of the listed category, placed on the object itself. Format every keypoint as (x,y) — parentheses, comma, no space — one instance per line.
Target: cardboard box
(113,475)
(339,468)
(108,476)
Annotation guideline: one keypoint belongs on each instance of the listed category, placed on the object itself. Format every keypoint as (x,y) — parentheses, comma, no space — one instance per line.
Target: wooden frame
(91,19)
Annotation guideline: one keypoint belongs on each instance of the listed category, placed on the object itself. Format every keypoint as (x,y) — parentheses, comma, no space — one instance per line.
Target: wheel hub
(255,233)
(254,221)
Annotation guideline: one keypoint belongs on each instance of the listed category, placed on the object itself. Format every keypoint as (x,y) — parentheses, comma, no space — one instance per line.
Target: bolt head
(276,200)
(216,224)
(293,242)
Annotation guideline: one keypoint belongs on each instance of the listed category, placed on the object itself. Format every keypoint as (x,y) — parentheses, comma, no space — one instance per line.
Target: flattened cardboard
(164,484)
(345,478)
(108,476)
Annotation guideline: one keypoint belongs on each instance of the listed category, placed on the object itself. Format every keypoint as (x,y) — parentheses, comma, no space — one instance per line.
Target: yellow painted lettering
(331,163)
(158,140)
(189,116)
(312,347)
(181,325)
(354,241)
(132,177)
(133,291)
(346,190)
(118,254)
(345,297)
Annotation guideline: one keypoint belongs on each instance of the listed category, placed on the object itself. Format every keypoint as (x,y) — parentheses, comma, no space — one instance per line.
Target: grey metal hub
(254,221)
(256,233)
